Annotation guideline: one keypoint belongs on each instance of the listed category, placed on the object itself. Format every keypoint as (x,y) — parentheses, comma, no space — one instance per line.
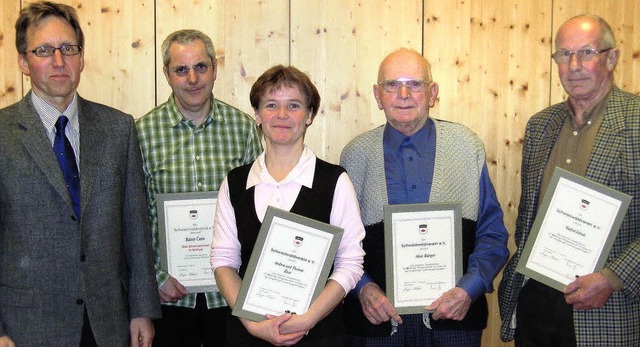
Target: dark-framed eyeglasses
(393,86)
(563,57)
(47,51)
(183,70)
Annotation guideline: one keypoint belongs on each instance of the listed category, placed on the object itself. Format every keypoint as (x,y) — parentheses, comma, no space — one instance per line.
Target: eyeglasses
(393,86)
(200,69)
(47,51)
(563,57)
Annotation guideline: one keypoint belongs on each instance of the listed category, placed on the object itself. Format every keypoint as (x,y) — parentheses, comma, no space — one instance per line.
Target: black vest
(374,262)
(315,203)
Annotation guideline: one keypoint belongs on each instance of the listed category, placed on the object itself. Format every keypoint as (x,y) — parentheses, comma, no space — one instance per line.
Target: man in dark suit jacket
(596,134)
(69,278)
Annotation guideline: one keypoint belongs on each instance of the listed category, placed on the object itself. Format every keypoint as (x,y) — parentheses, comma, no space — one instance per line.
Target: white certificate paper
(289,265)
(423,246)
(573,231)
(185,226)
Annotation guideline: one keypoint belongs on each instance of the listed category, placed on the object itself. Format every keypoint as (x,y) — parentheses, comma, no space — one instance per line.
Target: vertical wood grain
(492,66)
(622,16)
(118,53)
(249,37)
(10,75)
(256,45)
(340,44)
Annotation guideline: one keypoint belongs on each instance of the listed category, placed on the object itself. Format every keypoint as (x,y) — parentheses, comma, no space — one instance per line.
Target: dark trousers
(413,333)
(87,339)
(328,332)
(544,319)
(191,327)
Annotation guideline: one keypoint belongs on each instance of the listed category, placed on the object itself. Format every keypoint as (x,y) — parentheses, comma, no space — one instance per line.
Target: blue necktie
(67,160)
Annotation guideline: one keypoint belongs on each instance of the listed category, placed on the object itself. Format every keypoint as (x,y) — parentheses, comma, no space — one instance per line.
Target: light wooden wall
(10,83)
(491,60)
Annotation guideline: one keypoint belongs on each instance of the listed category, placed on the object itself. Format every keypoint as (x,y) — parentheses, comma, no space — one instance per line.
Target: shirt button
(79,302)
(83,258)
(413,186)
(199,184)
(197,157)
(410,158)
(568,161)
(575,133)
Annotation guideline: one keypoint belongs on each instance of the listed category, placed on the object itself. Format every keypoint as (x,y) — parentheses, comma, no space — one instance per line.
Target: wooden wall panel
(492,66)
(622,16)
(119,57)
(118,53)
(174,15)
(257,37)
(249,37)
(10,75)
(341,46)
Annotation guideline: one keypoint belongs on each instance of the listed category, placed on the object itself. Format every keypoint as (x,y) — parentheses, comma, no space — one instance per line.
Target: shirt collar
(176,115)
(301,174)
(49,114)
(394,139)
(592,114)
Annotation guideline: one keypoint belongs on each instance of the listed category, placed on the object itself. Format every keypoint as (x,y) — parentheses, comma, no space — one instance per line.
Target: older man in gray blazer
(71,273)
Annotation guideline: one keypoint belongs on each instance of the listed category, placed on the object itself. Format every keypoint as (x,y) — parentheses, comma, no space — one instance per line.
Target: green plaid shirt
(180,157)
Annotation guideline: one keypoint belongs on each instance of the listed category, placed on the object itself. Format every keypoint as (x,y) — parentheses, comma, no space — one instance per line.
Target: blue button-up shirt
(409,164)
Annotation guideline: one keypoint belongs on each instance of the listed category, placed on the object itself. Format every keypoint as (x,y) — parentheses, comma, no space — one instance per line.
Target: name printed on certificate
(289,265)
(573,231)
(185,223)
(423,252)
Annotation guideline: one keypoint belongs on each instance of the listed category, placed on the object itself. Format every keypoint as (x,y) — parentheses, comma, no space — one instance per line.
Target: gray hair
(183,37)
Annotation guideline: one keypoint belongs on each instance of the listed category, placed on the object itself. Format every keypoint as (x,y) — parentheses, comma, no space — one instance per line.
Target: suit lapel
(91,138)
(609,141)
(542,147)
(36,142)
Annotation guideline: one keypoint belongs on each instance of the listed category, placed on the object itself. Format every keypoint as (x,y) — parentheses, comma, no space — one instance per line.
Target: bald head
(404,59)
(406,108)
(587,24)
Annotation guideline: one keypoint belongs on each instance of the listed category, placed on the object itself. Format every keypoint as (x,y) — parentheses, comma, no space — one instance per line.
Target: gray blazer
(51,265)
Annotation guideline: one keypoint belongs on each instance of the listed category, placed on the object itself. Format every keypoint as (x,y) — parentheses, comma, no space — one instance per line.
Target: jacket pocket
(12,296)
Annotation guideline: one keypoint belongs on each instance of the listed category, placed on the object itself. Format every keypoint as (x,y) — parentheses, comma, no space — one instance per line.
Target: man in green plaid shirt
(188,144)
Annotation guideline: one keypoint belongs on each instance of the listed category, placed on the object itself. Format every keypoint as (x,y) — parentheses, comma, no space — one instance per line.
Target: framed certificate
(574,230)
(289,265)
(185,227)
(423,253)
